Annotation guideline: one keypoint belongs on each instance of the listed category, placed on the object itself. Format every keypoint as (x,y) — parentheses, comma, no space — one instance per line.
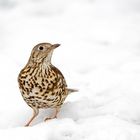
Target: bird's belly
(44,98)
(42,93)
(44,101)
(40,102)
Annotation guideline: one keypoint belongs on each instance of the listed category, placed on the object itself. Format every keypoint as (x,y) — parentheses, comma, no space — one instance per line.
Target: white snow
(99,55)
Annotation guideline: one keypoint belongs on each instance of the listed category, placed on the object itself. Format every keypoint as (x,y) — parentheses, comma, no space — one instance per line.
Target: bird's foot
(46,119)
(26,125)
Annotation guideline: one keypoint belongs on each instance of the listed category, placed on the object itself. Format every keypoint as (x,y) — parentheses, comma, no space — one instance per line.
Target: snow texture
(99,55)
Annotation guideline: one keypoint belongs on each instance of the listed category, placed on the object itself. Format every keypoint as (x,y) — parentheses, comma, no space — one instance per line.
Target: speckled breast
(42,88)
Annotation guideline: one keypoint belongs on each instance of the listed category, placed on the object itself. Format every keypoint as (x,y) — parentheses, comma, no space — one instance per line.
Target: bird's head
(43,51)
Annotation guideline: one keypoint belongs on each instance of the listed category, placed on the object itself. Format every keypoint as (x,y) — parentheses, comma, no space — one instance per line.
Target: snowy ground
(99,55)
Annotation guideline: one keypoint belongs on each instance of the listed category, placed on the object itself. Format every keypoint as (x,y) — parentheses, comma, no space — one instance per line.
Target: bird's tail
(71,90)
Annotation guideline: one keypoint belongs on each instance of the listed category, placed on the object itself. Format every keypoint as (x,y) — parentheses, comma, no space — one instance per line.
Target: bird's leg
(57,109)
(35,113)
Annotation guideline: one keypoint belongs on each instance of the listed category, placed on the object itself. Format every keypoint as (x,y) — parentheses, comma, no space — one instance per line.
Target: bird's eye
(41,48)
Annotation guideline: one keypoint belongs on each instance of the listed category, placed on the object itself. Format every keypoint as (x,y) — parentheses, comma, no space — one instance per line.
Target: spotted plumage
(41,84)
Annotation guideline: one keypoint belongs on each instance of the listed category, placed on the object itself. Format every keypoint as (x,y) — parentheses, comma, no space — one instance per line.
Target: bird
(41,84)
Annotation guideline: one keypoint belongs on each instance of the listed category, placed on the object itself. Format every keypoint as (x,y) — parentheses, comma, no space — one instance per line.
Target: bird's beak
(55,46)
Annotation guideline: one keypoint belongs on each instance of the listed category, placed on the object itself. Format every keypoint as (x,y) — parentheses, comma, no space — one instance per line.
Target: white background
(99,55)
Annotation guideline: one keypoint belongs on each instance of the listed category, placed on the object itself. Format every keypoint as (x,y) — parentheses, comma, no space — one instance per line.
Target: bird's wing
(60,78)
(64,82)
